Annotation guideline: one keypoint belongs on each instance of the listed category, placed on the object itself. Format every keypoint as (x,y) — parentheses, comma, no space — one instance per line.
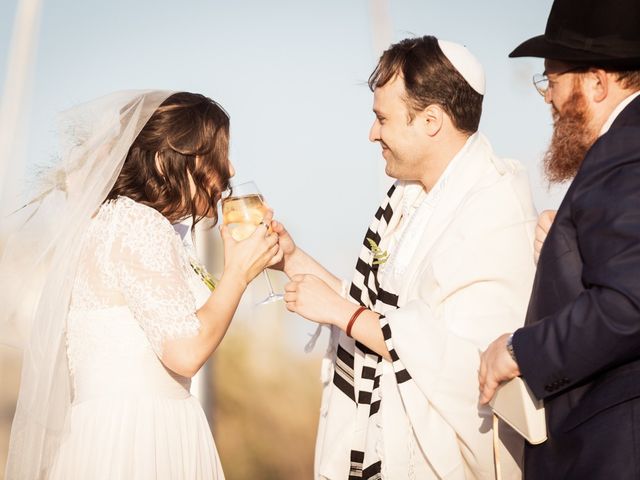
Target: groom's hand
(287,245)
(313,299)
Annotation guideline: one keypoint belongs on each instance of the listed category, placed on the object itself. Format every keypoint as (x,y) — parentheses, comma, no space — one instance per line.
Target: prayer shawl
(417,416)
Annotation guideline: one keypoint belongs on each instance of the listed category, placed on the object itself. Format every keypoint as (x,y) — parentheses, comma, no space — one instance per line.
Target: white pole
(15,99)
(381,25)
(382,36)
(209,246)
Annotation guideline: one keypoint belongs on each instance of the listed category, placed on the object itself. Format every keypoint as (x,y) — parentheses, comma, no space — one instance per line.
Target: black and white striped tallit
(358,370)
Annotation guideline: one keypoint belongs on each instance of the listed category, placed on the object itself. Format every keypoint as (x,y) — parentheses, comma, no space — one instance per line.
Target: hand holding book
(508,394)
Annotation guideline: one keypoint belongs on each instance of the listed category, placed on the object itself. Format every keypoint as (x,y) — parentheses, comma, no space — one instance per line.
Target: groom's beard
(572,138)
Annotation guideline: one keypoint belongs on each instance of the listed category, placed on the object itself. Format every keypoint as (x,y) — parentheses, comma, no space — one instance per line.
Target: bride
(116,331)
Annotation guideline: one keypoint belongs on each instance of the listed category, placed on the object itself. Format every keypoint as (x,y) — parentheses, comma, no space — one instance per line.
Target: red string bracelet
(353,318)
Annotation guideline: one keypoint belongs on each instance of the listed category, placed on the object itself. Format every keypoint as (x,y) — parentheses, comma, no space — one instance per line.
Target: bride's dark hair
(187,136)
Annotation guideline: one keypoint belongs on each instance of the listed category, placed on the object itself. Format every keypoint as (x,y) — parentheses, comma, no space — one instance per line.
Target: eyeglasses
(541,80)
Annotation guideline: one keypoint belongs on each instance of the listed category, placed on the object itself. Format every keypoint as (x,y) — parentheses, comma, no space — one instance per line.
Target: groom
(446,265)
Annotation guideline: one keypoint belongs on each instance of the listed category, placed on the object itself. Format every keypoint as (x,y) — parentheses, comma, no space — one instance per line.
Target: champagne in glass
(242,212)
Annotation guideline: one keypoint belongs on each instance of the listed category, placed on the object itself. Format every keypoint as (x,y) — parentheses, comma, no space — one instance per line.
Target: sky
(292,75)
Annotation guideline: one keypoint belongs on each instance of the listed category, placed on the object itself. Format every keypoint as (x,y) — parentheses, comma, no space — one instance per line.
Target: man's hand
(545,220)
(313,299)
(496,366)
(287,245)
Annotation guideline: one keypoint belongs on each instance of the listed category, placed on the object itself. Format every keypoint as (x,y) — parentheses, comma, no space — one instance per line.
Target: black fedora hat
(591,32)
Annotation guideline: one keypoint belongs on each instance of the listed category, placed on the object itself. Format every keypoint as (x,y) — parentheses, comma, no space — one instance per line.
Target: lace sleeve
(150,270)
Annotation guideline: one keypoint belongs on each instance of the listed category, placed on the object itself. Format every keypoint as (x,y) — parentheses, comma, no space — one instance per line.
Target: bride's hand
(247,258)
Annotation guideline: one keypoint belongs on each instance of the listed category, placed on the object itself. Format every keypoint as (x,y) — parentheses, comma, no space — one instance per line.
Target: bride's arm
(243,262)
(148,268)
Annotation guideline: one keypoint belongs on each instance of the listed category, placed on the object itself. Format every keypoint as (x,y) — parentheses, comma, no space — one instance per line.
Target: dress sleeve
(149,269)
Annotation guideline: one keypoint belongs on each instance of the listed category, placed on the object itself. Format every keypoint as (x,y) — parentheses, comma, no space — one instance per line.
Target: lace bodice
(131,257)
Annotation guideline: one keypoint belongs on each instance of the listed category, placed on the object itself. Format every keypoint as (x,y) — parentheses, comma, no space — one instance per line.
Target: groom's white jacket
(469,282)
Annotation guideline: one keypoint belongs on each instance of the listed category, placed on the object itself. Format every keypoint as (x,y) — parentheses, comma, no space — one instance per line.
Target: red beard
(572,138)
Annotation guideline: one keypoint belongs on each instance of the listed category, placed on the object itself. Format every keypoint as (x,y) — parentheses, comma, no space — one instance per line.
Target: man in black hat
(579,350)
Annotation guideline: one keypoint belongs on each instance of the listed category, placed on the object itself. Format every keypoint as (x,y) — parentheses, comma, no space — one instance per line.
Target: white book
(514,403)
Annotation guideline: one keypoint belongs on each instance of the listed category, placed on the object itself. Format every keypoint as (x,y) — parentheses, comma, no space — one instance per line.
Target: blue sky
(293,77)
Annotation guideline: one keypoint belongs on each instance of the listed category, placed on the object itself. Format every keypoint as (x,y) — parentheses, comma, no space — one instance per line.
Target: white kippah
(463,61)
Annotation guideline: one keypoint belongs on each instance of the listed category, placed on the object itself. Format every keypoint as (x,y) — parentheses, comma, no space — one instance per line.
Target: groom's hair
(429,79)
(186,137)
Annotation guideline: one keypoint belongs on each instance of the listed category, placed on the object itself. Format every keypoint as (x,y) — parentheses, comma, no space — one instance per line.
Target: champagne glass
(242,212)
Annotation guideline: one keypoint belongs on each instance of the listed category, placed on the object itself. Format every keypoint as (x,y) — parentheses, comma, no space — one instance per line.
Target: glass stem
(266,275)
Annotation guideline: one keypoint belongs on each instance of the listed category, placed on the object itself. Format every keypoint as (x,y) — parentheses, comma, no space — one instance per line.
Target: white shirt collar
(616,111)
(417,207)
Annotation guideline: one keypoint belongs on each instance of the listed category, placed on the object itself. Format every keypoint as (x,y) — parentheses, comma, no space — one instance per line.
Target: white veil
(39,261)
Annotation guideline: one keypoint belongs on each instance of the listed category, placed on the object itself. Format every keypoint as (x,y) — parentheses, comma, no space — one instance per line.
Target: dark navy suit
(580,347)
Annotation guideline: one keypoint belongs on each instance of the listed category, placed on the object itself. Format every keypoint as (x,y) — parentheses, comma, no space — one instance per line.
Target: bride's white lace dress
(132,418)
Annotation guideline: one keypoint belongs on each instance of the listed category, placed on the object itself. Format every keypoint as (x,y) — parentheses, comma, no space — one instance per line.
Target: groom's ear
(432,119)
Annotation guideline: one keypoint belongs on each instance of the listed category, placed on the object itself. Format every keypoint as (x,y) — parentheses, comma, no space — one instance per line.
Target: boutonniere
(379,256)
(209,280)
(204,275)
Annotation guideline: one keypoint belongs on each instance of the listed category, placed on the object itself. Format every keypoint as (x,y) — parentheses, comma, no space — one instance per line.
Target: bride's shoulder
(136,217)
